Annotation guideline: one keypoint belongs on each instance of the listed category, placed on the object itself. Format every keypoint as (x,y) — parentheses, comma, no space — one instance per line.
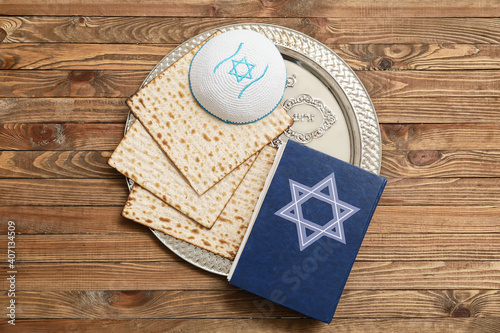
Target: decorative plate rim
(317,53)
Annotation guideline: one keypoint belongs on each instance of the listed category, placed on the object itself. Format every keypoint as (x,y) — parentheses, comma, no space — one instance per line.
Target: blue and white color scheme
(238,76)
(328,203)
(310,231)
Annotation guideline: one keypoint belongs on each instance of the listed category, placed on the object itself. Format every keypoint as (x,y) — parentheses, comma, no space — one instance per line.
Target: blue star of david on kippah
(310,231)
(245,71)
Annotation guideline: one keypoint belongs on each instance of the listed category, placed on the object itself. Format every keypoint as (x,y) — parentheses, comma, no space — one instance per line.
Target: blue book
(306,231)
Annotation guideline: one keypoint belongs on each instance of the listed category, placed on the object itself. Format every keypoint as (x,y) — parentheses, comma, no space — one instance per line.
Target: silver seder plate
(331,109)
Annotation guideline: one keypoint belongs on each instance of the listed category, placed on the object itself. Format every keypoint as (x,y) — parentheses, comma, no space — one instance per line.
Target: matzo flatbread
(225,237)
(140,158)
(204,148)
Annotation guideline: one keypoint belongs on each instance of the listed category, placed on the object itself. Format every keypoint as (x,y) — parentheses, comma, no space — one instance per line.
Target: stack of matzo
(227,233)
(140,158)
(196,177)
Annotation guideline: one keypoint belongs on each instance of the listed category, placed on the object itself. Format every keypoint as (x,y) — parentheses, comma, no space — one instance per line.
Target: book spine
(370,215)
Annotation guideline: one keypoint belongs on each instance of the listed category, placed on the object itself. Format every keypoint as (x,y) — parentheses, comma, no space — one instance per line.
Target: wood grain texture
(117,276)
(92,247)
(440,163)
(387,219)
(76,220)
(107,136)
(379,30)
(104,83)
(67,56)
(432,110)
(411,275)
(113,192)
(67,220)
(421,303)
(58,164)
(254,8)
(342,325)
(47,137)
(441,136)
(60,192)
(143,304)
(442,191)
(85,83)
(175,30)
(435,219)
(419,56)
(395,164)
(239,304)
(376,247)
(127,30)
(81,56)
(63,110)
(429,247)
(431,83)
(437,110)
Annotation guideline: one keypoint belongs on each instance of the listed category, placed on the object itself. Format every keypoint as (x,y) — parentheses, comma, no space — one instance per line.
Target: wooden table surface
(430,261)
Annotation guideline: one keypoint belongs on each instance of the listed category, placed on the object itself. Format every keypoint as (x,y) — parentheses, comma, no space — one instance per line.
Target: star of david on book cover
(310,231)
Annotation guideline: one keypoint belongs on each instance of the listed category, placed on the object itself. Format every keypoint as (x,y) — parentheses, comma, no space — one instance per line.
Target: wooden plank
(442,192)
(240,304)
(430,247)
(422,303)
(66,56)
(440,163)
(142,304)
(419,56)
(254,8)
(60,136)
(146,247)
(82,56)
(63,192)
(68,220)
(395,164)
(92,247)
(56,164)
(63,110)
(397,30)
(293,325)
(441,136)
(104,83)
(444,137)
(437,110)
(85,83)
(129,30)
(331,29)
(113,192)
(419,110)
(115,276)
(431,83)
(378,275)
(387,219)
(435,219)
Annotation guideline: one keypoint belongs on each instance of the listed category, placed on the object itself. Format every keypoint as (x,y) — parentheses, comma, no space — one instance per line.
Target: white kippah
(238,76)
